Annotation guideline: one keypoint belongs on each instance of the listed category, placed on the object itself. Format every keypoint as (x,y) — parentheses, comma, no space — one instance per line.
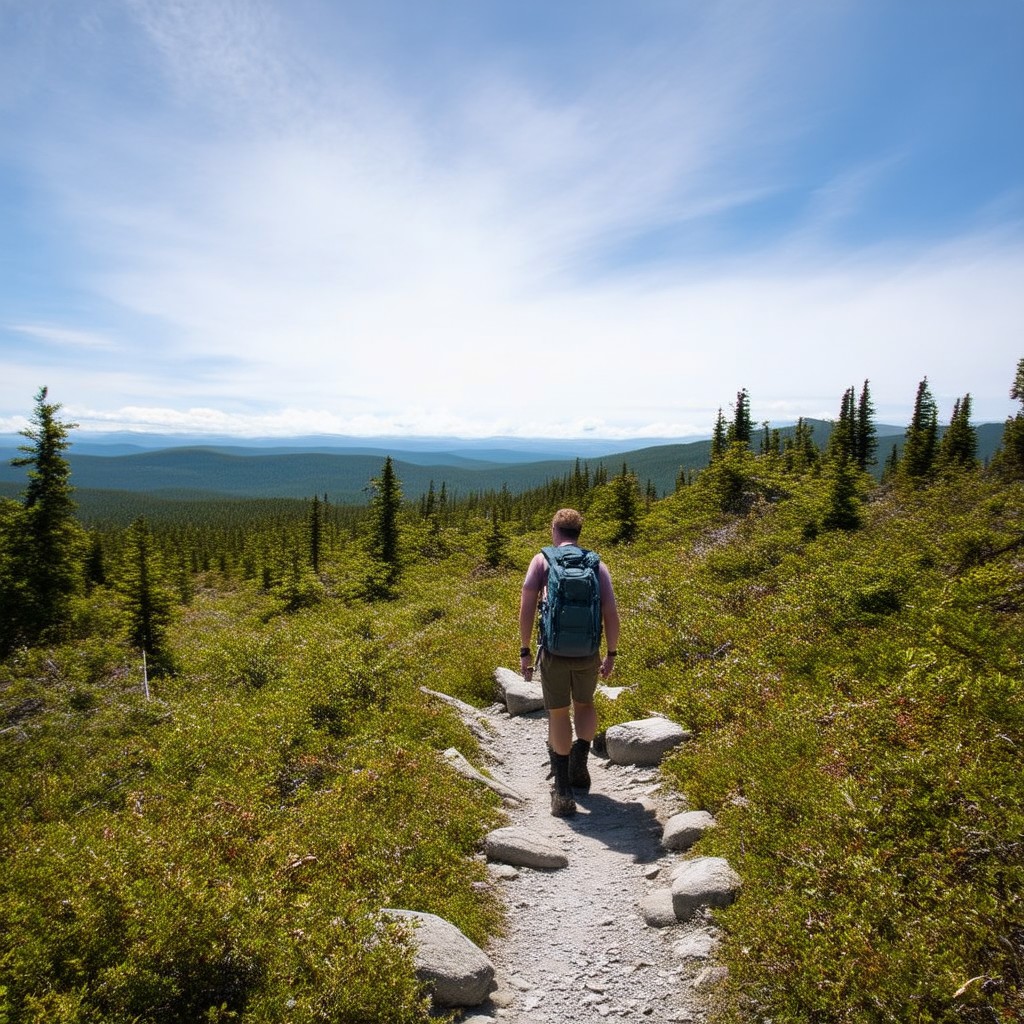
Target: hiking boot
(579,776)
(562,806)
(562,803)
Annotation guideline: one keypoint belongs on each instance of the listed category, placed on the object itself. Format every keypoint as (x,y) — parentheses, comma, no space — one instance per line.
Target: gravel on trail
(577,946)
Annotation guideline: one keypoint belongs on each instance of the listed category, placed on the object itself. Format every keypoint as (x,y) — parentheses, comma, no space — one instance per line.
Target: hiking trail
(577,946)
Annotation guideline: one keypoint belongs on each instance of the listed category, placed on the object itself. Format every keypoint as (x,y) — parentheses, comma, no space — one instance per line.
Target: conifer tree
(43,541)
(921,444)
(315,534)
(865,435)
(1009,460)
(626,494)
(385,506)
(958,449)
(496,548)
(742,428)
(892,464)
(718,438)
(842,510)
(147,595)
(800,451)
(428,502)
(95,563)
(841,444)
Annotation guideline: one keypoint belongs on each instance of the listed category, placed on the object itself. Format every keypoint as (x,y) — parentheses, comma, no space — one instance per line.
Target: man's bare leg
(559,730)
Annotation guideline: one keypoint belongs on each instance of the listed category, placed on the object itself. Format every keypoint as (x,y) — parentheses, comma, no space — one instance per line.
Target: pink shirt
(537,577)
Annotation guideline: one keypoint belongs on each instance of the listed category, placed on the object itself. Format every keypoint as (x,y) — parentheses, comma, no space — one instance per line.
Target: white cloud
(291,238)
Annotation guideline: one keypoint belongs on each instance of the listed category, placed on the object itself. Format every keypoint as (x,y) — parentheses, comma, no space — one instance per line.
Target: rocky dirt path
(577,946)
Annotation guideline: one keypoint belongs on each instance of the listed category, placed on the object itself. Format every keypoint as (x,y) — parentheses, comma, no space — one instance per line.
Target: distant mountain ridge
(344,475)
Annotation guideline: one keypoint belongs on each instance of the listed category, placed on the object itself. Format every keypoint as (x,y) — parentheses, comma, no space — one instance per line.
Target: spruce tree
(842,510)
(742,427)
(315,534)
(921,445)
(384,531)
(1009,460)
(626,496)
(44,543)
(865,435)
(496,547)
(958,449)
(801,452)
(841,444)
(148,596)
(718,438)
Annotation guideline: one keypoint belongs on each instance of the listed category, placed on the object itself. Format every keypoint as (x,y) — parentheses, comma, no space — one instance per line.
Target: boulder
(683,830)
(703,882)
(644,742)
(523,848)
(519,696)
(458,971)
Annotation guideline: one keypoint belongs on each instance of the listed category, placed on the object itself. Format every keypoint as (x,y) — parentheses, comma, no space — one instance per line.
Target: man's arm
(527,617)
(610,622)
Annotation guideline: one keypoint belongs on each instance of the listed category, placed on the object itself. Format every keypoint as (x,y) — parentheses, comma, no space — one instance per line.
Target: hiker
(569,654)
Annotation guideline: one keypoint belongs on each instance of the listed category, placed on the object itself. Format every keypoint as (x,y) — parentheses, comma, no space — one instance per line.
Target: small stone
(683,830)
(658,910)
(710,977)
(506,872)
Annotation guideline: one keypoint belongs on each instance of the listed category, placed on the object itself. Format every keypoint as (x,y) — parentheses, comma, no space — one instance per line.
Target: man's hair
(568,522)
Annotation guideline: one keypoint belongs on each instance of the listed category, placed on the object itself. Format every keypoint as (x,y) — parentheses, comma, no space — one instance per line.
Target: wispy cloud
(293,220)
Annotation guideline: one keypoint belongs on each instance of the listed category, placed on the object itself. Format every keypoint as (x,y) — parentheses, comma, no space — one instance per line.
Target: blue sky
(480,217)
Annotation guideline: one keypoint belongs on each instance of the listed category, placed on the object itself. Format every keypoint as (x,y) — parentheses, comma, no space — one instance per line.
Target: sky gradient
(479,217)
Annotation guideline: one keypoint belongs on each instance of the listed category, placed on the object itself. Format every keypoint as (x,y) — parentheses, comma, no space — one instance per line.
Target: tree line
(49,559)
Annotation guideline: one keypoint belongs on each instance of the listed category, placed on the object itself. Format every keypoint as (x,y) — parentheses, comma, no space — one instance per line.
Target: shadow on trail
(625,826)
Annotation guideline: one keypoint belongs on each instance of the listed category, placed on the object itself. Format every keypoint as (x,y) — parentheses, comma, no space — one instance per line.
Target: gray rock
(505,872)
(644,742)
(523,848)
(696,946)
(658,909)
(464,768)
(710,977)
(683,830)
(458,971)
(703,882)
(519,696)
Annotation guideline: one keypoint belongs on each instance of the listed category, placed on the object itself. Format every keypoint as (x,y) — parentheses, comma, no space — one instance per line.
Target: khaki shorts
(565,680)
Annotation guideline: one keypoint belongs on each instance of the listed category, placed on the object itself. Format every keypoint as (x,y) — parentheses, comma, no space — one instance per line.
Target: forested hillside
(210,833)
(190,473)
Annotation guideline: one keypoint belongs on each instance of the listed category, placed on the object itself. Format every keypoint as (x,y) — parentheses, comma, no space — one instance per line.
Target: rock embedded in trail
(683,830)
(458,971)
(523,848)
(519,696)
(696,946)
(703,882)
(658,910)
(644,742)
(464,768)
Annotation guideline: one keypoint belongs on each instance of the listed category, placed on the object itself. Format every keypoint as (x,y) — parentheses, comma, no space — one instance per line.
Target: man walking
(568,680)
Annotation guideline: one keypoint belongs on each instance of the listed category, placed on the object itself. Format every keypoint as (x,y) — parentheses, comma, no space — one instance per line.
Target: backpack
(570,614)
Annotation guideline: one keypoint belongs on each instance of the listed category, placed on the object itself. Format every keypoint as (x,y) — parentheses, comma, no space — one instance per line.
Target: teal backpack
(570,615)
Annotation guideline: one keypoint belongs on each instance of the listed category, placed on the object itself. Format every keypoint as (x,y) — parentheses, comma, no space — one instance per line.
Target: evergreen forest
(217,764)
